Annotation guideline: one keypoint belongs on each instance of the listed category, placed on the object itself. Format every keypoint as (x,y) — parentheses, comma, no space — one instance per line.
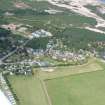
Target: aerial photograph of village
(52,52)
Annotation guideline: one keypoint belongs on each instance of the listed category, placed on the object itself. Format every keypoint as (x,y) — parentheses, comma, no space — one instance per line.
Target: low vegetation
(80,89)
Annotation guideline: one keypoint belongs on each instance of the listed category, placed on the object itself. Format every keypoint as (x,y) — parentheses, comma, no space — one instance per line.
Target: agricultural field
(30,89)
(92,65)
(80,89)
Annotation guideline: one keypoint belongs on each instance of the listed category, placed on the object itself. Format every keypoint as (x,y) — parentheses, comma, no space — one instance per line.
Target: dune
(78,6)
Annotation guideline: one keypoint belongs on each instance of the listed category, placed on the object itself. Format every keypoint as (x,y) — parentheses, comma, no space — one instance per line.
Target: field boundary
(72,75)
(91,66)
(45,91)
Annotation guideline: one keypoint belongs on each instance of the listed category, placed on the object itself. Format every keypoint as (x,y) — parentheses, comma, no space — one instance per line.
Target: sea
(103,1)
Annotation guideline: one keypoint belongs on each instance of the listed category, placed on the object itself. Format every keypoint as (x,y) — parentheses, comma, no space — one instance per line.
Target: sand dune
(78,6)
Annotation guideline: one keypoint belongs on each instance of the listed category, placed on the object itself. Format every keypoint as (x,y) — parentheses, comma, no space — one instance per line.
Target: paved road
(12,52)
(9,54)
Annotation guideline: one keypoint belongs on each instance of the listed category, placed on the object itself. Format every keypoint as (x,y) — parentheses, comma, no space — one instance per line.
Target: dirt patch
(21,5)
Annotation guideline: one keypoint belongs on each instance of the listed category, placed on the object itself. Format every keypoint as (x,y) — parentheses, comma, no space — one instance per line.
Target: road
(12,52)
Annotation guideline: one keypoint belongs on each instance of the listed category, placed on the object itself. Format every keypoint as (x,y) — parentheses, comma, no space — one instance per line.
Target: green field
(62,84)
(28,90)
(92,65)
(80,89)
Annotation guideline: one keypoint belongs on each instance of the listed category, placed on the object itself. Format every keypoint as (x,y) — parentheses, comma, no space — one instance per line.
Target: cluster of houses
(25,67)
(24,29)
(35,52)
(66,55)
(40,33)
(57,54)
(19,68)
(7,91)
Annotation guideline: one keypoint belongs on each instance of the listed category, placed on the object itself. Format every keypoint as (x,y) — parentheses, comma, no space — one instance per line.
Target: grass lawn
(92,65)
(28,90)
(79,89)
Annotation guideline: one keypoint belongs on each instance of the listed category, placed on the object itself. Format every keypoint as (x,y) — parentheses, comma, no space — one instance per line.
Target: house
(65,55)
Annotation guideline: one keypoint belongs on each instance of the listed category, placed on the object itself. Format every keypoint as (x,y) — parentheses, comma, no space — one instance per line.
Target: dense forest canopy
(4,32)
(80,38)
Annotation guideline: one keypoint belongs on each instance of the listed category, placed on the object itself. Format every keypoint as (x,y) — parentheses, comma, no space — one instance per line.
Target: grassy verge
(92,65)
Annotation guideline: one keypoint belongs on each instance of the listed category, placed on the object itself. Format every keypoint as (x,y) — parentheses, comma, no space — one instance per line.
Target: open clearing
(79,89)
(92,65)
